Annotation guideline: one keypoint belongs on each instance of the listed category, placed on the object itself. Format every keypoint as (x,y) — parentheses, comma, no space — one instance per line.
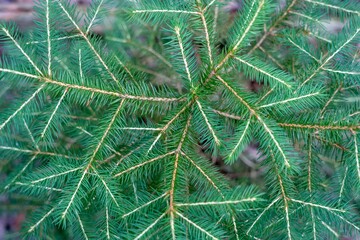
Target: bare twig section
(320,127)
(228,115)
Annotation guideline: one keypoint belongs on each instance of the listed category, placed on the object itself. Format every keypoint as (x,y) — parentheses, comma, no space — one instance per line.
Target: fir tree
(104,134)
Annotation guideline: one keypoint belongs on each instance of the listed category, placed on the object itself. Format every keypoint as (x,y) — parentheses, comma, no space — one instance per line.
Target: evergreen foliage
(109,137)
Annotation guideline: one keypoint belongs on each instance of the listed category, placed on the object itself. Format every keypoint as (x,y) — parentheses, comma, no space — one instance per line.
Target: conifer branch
(341,72)
(273,26)
(56,175)
(317,206)
(333,6)
(144,163)
(337,235)
(94,17)
(207,37)
(38,186)
(21,50)
(48,36)
(21,172)
(253,112)
(54,112)
(195,225)
(303,50)
(261,214)
(178,35)
(319,127)
(89,165)
(88,40)
(289,100)
(91,89)
(216,139)
(164,11)
(242,37)
(262,71)
(150,226)
(202,172)
(37,152)
(125,123)
(145,205)
(330,100)
(172,186)
(357,160)
(22,106)
(81,226)
(54,39)
(112,195)
(31,136)
(33,227)
(241,138)
(216,203)
(324,62)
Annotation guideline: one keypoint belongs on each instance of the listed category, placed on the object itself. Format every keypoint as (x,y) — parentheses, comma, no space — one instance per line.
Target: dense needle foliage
(109,137)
